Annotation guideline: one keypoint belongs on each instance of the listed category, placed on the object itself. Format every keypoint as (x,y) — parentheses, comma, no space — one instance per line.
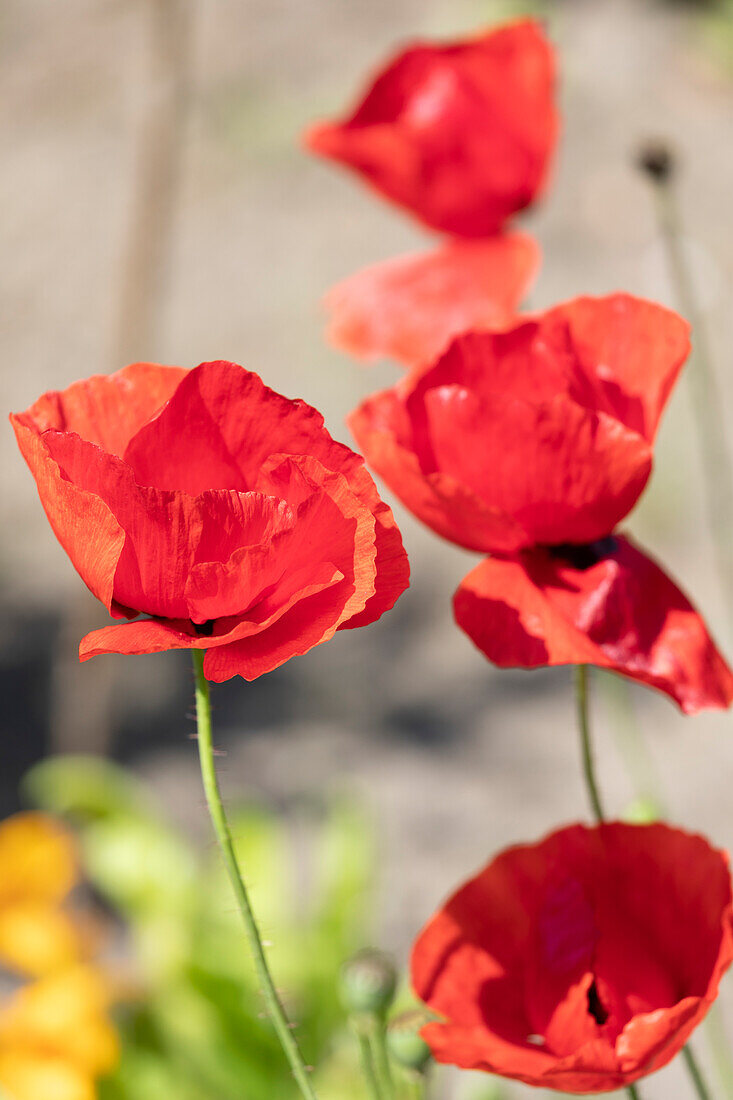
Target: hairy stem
(274,1007)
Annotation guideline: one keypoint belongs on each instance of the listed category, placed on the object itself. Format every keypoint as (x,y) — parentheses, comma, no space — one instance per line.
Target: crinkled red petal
(410,307)
(619,611)
(525,965)
(221,429)
(630,349)
(537,435)
(460,135)
(107,409)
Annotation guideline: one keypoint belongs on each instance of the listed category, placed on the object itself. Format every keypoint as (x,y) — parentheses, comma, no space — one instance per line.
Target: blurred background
(157,205)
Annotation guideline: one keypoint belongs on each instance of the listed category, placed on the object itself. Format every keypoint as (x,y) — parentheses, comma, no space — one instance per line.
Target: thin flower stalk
(707,403)
(367,1065)
(581,694)
(581,697)
(273,1004)
(696,1074)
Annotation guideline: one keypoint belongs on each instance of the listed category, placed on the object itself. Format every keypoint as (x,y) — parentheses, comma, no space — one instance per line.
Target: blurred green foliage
(717,32)
(191,1021)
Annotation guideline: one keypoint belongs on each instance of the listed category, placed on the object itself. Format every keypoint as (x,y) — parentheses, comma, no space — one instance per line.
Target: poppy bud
(404,1042)
(657,160)
(368,982)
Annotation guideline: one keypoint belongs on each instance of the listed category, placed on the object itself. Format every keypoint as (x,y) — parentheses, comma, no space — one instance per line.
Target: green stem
(718,1043)
(640,765)
(367,1065)
(381,1058)
(275,1010)
(416,1086)
(694,1070)
(581,699)
(718,475)
(629,738)
(581,695)
(708,407)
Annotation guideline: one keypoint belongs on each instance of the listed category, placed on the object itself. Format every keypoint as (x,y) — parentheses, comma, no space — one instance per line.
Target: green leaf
(85,787)
(140,865)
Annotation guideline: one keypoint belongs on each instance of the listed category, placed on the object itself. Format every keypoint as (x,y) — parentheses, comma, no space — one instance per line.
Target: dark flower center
(585,555)
(595,1005)
(205,630)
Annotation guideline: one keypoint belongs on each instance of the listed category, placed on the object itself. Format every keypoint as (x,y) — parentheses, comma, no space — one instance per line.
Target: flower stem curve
(581,696)
(367,1065)
(274,1006)
(695,1073)
(704,389)
(581,702)
(381,1058)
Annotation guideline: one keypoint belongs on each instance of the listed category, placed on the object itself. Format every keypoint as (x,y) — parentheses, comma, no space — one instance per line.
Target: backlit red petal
(460,135)
(620,612)
(156,635)
(307,623)
(107,409)
(82,522)
(510,961)
(410,307)
(632,350)
(167,533)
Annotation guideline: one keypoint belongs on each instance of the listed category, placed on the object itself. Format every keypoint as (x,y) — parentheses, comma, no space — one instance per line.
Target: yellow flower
(38,869)
(55,1037)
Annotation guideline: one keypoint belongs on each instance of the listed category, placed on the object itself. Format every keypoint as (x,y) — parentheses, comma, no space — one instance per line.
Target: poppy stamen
(595,1004)
(585,555)
(205,630)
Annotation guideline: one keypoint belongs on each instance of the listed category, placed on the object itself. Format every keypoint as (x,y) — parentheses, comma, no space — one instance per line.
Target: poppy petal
(231,504)
(107,409)
(410,307)
(307,623)
(460,135)
(82,522)
(166,532)
(608,605)
(512,940)
(539,435)
(220,430)
(503,475)
(331,526)
(157,635)
(633,350)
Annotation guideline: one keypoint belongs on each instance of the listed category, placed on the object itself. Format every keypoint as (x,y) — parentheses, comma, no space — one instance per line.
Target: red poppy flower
(542,434)
(604,604)
(461,134)
(580,963)
(220,509)
(410,307)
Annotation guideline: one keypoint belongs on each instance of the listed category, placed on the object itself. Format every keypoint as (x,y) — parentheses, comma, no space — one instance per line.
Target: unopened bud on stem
(368,982)
(657,159)
(404,1042)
